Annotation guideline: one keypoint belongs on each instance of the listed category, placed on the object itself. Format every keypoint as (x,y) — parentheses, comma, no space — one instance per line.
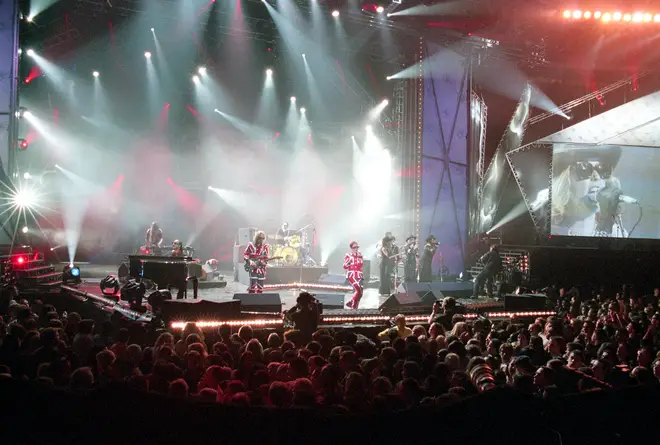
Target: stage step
(34,272)
(45,277)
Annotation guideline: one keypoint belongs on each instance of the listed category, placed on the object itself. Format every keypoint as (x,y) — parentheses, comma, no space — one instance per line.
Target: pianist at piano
(166,272)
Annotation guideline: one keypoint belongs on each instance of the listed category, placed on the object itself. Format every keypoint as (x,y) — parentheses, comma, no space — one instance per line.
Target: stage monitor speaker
(525,302)
(266,302)
(331,301)
(407,300)
(246,235)
(192,310)
(424,291)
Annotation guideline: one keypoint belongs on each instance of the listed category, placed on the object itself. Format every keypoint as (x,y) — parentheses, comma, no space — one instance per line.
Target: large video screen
(605,191)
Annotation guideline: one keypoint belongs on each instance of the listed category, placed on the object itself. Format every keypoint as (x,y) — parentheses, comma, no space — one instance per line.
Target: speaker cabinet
(266,302)
(525,302)
(245,235)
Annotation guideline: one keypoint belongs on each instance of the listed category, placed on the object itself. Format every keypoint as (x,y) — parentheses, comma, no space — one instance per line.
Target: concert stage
(93,273)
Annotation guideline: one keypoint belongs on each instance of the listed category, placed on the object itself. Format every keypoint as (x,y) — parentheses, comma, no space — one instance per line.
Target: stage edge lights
(616,16)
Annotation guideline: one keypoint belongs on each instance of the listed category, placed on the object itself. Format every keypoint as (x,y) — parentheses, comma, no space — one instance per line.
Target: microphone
(627,199)
(618,196)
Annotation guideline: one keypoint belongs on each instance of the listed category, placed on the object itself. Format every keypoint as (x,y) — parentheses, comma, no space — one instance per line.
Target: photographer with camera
(443,312)
(399,329)
(305,314)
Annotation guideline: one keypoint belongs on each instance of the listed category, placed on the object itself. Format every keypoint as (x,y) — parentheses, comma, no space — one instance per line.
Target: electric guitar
(249,265)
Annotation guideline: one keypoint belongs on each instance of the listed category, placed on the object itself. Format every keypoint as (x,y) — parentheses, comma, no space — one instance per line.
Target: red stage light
(587,14)
(23,144)
(20,260)
(567,14)
(577,14)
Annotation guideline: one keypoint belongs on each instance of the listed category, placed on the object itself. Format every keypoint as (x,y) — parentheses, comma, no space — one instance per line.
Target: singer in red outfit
(353,263)
(256,258)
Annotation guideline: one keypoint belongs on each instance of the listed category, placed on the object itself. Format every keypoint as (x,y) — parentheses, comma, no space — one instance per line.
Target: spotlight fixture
(388,78)
(27,175)
(95,74)
(195,78)
(380,9)
(71,274)
(22,144)
(293,98)
(385,102)
(335,13)
(109,285)
(269,72)
(201,70)
(303,55)
(147,54)
(30,52)
(25,229)
(303,110)
(216,111)
(152,30)
(368,128)
(20,51)
(29,19)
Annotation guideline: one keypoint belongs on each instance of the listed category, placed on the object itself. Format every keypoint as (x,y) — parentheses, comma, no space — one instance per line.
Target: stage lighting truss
(481,164)
(605,16)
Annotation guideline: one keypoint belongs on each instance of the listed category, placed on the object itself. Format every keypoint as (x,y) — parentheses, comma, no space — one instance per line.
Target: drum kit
(296,250)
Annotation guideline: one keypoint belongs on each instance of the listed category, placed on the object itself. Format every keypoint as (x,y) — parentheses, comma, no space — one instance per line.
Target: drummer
(283,234)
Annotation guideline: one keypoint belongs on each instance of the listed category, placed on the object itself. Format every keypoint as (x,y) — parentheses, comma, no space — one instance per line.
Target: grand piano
(164,271)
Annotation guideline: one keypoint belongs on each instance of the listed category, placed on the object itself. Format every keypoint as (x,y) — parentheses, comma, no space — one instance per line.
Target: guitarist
(256,257)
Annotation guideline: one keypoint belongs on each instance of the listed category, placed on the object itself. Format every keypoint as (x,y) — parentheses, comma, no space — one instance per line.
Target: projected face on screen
(596,191)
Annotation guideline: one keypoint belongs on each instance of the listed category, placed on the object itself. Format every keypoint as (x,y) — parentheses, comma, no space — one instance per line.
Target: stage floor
(92,274)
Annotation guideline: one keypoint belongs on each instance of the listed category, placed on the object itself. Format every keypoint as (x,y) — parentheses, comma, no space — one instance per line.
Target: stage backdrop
(444,191)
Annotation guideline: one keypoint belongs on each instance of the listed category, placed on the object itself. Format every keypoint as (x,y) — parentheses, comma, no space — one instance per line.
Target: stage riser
(285,275)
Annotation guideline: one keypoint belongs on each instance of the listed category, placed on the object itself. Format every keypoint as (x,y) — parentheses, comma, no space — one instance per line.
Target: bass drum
(289,255)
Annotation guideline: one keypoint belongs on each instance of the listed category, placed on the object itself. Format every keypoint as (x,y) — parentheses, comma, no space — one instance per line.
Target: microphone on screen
(618,196)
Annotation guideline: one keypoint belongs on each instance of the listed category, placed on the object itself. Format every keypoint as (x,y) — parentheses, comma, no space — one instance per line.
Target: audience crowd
(593,343)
